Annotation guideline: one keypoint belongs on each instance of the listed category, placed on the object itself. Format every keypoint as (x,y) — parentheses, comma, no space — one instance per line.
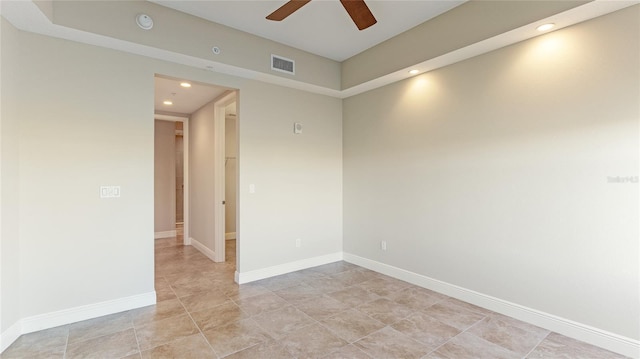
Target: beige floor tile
(346,299)
(322,307)
(352,325)
(51,341)
(98,327)
(389,343)
(234,337)
(185,288)
(326,284)
(282,281)
(268,350)
(116,345)
(348,352)
(333,268)
(557,346)
(417,298)
(384,287)
(160,311)
(354,296)
(468,346)
(315,341)
(468,306)
(453,315)
(352,277)
(512,337)
(298,293)
(222,314)
(204,300)
(385,310)
(426,329)
(283,321)
(163,289)
(191,347)
(164,331)
(261,303)
(235,291)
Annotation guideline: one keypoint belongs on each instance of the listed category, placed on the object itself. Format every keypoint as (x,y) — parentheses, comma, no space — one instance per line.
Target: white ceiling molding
(26,16)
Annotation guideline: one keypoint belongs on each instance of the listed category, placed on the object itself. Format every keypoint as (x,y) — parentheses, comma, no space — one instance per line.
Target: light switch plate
(109,191)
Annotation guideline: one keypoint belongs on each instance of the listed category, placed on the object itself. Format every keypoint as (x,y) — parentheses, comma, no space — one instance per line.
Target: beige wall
(201,176)
(164,176)
(298,178)
(75,249)
(9,186)
(492,174)
(231,146)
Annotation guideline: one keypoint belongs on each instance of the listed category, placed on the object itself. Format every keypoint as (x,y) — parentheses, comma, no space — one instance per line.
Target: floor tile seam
(306,326)
(132,326)
(347,340)
(199,330)
(247,348)
(135,333)
(453,337)
(537,345)
(66,344)
(505,348)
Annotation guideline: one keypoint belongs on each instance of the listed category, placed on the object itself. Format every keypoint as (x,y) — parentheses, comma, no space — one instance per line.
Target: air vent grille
(282,64)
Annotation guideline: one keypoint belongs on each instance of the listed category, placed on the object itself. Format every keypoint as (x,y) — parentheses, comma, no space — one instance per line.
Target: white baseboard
(230,235)
(164,234)
(607,340)
(72,315)
(9,336)
(280,269)
(203,249)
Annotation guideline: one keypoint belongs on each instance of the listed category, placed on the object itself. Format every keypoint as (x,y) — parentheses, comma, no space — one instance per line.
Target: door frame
(219,134)
(185,171)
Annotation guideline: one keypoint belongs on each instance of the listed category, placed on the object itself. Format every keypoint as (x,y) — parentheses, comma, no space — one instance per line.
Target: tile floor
(333,311)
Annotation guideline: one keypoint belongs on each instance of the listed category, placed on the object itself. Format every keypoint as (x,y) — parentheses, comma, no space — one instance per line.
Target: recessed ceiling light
(413,72)
(546,27)
(185,84)
(144,21)
(167,102)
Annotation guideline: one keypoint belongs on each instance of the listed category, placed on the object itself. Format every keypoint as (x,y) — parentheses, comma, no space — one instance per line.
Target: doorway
(199,153)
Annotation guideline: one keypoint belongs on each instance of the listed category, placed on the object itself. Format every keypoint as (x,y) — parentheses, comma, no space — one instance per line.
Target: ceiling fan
(357,9)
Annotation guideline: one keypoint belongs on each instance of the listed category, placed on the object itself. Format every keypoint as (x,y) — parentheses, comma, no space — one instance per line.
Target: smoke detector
(144,21)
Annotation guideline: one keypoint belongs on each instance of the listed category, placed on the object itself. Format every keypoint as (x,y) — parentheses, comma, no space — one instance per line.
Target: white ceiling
(321,27)
(185,100)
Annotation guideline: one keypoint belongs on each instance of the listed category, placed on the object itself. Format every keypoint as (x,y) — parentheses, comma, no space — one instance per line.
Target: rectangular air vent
(282,64)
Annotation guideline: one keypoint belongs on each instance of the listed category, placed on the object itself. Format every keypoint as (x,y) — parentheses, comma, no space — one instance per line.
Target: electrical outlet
(298,243)
(383,245)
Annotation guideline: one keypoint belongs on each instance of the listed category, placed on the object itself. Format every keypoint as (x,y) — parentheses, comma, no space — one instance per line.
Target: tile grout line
(537,345)
(450,339)
(197,326)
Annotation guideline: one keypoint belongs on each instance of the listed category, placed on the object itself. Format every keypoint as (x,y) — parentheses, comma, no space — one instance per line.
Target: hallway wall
(164,176)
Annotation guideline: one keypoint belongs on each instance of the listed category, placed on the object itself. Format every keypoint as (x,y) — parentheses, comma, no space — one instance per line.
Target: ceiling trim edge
(27,16)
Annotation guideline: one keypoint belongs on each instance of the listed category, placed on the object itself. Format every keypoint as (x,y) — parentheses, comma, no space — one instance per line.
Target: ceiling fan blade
(287,9)
(359,12)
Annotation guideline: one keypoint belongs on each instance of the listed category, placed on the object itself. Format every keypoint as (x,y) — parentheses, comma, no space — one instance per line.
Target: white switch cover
(109,191)
(252,188)
(298,243)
